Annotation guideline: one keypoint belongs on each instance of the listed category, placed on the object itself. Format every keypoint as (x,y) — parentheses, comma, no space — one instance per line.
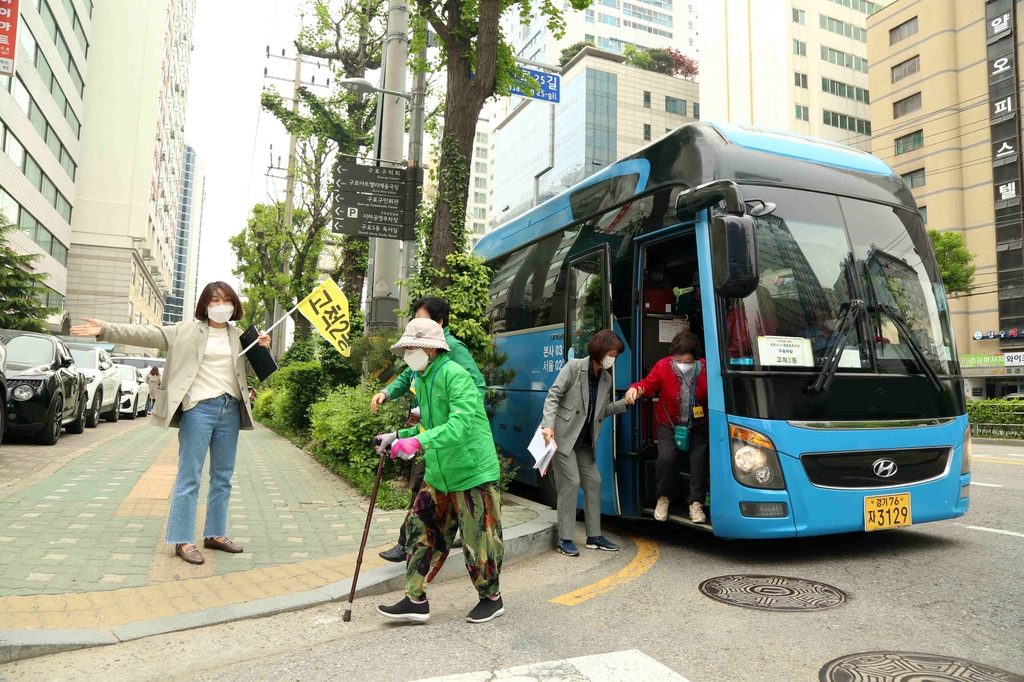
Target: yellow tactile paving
(129,605)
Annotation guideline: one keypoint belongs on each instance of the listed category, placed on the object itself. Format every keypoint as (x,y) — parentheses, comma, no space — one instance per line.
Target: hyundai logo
(884,468)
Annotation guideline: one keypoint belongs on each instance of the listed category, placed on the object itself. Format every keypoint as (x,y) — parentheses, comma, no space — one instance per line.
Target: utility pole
(386,253)
(417,113)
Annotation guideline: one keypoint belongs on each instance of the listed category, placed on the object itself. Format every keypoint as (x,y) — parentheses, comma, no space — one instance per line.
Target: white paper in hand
(542,453)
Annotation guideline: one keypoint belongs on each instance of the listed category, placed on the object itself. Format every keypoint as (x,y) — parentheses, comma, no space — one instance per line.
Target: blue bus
(835,396)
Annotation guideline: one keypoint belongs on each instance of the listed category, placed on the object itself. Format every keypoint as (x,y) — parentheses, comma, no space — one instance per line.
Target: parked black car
(46,390)
(3,389)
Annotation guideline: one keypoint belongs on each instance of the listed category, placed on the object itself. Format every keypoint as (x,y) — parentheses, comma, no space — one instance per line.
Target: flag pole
(282,319)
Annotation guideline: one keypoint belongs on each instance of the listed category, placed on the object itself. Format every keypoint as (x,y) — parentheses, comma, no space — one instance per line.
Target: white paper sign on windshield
(850,358)
(787,351)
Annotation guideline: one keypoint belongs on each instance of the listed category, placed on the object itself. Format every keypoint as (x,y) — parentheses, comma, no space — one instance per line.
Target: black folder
(259,357)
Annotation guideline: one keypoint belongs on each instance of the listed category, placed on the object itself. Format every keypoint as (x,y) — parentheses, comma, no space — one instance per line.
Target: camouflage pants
(432,525)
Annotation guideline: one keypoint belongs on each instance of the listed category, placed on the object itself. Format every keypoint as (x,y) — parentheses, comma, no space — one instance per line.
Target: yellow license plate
(887,511)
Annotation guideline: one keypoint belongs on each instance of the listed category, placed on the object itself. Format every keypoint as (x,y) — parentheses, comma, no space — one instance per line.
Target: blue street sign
(550,86)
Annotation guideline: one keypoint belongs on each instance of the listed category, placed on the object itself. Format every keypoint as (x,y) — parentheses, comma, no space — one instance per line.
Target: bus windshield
(819,252)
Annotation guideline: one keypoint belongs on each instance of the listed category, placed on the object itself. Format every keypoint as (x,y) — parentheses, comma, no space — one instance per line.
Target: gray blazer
(565,408)
(185,344)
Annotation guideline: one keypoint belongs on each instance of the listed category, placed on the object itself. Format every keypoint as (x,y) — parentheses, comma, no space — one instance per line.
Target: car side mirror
(734,255)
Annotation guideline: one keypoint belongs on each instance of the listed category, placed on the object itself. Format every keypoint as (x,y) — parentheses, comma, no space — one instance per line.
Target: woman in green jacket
(460,487)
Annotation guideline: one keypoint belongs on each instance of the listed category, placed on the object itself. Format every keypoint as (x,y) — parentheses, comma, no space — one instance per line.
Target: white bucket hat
(422,333)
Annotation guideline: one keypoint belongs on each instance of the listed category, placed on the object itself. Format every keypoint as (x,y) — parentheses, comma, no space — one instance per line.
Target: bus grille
(873,468)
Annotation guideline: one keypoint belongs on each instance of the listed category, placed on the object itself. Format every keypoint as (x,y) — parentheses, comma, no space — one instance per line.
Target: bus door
(588,298)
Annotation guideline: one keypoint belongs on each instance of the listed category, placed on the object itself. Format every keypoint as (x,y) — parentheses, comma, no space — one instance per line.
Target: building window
(903,31)
(859,5)
(923,210)
(481,152)
(800,48)
(479,197)
(589,16)
(914,178)
(690,24)
(675,106)
(696,111)
(691,42)
(588,38)
(800,80)
(647,14)
(843,59)
(843,90)
(851,123)
(803,113)
(480,213)
(647,131)
(33,229)
(647,100)
(481,138)
(909,143)
(479,228)
(480,166)
(907,68)
(906,105)
(799,16)
(480,183)
(608,19)
(843,28)
(610,3)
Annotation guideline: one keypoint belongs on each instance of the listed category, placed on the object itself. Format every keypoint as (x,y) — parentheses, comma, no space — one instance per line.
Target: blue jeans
(211,425)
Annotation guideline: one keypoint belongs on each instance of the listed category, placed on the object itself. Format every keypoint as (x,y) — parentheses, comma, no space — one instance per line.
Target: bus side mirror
(734,255)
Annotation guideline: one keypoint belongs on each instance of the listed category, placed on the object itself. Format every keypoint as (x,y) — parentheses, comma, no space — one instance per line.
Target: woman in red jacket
(680,381)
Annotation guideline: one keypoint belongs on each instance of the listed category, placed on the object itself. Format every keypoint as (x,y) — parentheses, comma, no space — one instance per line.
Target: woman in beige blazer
(201,394)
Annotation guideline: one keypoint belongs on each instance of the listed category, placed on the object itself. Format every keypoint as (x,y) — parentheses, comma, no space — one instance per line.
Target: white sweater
(216,374)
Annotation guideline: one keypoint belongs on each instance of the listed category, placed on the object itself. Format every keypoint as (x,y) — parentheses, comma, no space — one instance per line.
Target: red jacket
(664,381)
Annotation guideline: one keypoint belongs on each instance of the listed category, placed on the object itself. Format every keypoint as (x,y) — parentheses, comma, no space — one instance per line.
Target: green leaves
(20,286)
(956,263)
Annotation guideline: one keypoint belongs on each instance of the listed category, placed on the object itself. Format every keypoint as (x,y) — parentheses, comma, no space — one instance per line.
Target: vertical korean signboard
(1004,122)
(8,35)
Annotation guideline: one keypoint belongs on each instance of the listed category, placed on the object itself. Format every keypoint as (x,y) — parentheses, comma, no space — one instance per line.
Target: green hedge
(996,412)
(262,409)
(344,425)
(296,387)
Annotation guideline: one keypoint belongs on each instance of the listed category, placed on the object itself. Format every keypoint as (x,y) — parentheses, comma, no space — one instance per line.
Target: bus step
(681,520)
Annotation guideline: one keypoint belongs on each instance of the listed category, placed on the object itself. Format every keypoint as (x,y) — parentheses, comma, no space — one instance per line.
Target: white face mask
(684,367)
(220,313)
(608,362)
(417,359)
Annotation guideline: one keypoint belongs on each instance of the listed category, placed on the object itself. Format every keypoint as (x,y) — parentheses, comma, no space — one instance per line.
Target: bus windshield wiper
(850,315)
(915,348)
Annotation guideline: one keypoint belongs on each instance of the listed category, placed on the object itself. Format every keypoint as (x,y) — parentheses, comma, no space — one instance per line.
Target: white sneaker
(697,513)
(661,511)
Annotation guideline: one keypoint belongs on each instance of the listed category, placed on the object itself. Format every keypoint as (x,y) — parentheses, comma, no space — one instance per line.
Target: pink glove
(405,448)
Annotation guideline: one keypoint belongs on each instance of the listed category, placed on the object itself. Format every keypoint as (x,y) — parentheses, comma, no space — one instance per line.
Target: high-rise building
(123,238)
(612,25)
(478,204)
(945,108)
(608,110)
(794,65)
(40,132)
(181,301)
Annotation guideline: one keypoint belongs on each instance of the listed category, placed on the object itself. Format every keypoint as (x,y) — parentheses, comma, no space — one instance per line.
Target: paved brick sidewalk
(82,528)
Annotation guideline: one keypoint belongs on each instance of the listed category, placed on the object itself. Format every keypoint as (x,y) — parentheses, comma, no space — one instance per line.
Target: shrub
(508,472)
(337,369)
(996,412)
(301,350)
(296,387)
(263,410)
(344,426)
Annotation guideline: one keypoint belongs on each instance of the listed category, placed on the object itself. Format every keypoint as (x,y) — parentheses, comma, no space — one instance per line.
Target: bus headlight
(755,462)
(965,468)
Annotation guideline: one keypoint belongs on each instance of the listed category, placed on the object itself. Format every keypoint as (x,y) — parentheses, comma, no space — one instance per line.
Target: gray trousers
(574,469)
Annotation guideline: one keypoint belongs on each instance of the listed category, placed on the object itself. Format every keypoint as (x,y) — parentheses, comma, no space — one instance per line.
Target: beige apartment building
(944,112)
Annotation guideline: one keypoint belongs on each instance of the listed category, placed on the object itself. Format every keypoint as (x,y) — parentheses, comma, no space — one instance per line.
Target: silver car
(134,392)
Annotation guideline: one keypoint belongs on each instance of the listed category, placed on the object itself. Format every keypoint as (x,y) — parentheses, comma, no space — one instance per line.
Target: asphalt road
(949,588)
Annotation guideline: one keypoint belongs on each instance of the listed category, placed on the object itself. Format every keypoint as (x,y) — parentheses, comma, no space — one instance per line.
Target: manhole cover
(772,592)
(897,666)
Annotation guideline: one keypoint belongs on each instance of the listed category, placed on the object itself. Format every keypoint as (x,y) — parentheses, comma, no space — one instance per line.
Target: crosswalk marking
(631,665)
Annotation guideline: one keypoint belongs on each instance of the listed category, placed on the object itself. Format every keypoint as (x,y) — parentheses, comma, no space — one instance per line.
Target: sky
(223,120)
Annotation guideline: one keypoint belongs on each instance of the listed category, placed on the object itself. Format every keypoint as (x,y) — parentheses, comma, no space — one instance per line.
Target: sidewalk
(82,527)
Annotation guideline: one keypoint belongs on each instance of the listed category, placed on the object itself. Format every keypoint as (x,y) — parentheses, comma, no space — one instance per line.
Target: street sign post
(550,86)
(375,201)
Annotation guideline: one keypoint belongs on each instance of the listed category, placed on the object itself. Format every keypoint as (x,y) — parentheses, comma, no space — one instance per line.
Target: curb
(1005,442)
(522,542)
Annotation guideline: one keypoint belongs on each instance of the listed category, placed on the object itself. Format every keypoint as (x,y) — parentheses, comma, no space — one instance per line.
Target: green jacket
(459,355)
(458,448)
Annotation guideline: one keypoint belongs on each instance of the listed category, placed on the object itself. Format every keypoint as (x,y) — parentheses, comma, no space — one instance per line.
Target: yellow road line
(647,554)
(997,461)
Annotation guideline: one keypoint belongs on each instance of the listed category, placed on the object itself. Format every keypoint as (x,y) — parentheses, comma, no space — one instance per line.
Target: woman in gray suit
(576,405)
(200,394)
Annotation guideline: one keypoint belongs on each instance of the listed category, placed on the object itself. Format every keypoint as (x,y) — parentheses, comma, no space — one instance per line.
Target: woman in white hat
(460,488)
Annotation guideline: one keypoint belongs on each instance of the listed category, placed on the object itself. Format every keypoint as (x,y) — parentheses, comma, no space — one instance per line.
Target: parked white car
(102,383)
(134,392)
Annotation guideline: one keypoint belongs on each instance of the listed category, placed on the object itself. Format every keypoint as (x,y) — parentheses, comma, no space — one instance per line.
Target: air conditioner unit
(154,270)
(146,254)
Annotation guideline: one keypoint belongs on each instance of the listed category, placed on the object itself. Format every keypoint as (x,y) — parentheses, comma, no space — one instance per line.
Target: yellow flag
(327,309)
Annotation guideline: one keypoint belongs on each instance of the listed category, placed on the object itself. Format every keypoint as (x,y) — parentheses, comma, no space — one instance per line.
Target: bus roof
(701,152)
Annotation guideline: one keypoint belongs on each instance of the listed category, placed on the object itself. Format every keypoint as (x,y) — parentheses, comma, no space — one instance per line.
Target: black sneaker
(407,610)
(486,610)
(601,542)
(395,555)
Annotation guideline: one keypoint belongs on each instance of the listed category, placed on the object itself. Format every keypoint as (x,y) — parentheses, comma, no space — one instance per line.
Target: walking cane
(366,531)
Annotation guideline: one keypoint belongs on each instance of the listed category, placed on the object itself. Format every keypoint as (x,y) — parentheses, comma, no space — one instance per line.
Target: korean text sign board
(327,310)
(8,35)
(550,86)
(374,201)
